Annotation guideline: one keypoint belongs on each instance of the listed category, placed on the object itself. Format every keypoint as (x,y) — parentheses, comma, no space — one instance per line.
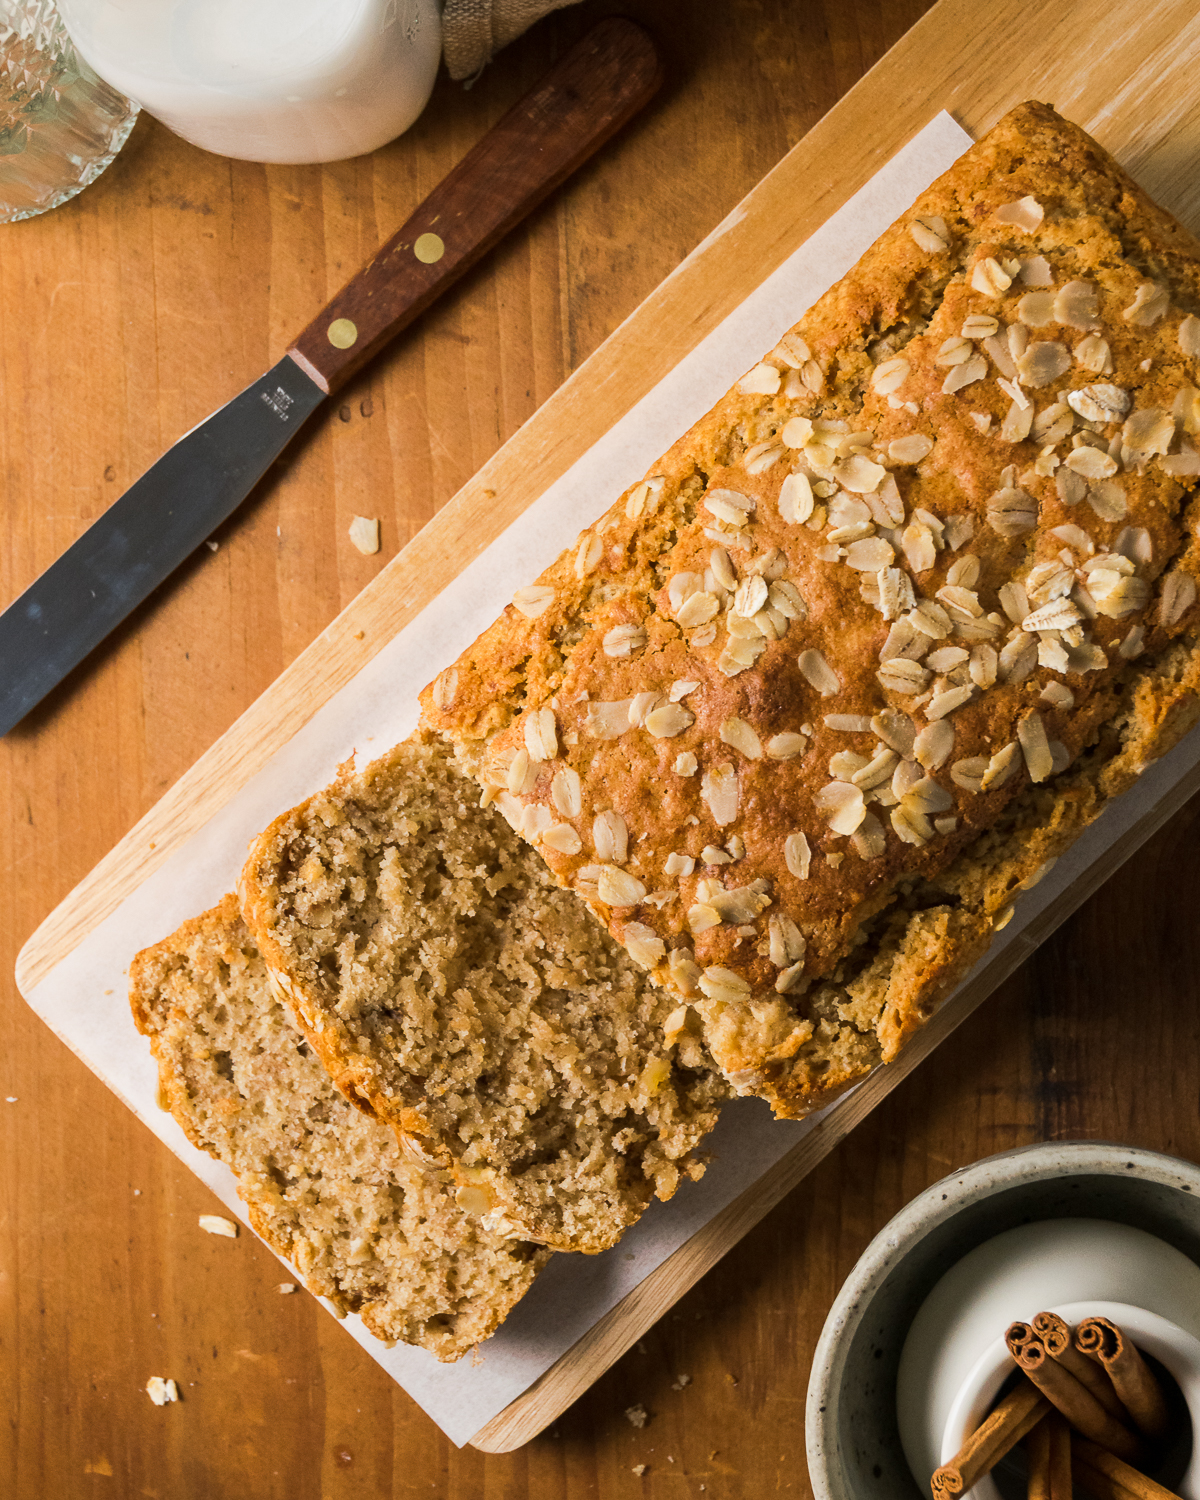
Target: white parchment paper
(83,999)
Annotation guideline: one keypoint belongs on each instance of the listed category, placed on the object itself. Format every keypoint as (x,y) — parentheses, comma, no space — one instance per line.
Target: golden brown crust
(888,538)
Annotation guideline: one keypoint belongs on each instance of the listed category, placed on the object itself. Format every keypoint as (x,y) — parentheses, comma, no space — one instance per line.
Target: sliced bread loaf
(325,1186)
(455,991)
(806,709)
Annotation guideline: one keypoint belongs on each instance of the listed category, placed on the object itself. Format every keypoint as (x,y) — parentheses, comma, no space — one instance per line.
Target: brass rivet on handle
(342,333)
(429,247)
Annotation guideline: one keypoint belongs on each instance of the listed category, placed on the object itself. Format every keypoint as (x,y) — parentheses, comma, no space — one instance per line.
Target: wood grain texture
(131,313)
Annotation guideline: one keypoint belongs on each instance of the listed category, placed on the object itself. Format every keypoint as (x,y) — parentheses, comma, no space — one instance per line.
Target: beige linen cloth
(474,30)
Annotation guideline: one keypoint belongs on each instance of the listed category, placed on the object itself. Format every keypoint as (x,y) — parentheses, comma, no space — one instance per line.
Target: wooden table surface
(127,316)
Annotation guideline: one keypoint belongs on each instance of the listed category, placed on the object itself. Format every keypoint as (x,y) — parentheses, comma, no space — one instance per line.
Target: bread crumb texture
(456,992)
(326,1186)
(809,707)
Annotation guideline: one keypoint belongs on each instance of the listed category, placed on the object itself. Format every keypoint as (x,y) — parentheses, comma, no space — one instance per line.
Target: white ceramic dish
(1176,1348)
(954,1359)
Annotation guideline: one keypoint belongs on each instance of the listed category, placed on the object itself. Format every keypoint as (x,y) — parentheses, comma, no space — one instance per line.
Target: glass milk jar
(60,125)
(267,80)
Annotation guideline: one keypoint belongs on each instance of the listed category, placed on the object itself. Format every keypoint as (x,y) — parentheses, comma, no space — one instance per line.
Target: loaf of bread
(325,1186)
(457,993)
(808,707)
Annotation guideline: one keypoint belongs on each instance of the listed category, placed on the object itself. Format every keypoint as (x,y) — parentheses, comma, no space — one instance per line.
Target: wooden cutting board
(1128,73)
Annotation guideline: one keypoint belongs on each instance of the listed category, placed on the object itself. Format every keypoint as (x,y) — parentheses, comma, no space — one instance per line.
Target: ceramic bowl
(853,1434)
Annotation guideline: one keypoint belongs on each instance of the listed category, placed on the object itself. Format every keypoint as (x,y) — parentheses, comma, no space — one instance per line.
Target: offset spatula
(197,484)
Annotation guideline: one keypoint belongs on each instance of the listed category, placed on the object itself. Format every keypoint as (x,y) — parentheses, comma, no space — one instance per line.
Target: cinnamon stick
(1037,1451)
(1055,1334)
(1061,1483)
(1103,1475)
(1018,1335)
(1131,1377)
(1020,1410)
(1049,1450)
(1075,1401)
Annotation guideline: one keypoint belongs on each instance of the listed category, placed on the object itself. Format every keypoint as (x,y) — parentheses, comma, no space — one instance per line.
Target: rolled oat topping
(901,564)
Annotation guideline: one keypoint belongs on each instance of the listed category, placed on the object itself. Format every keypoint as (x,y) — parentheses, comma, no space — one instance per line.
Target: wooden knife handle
(599,85)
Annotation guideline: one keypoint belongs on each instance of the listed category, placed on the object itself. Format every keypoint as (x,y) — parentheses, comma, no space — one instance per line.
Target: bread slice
(455,991)
(325,1186)
(808,706)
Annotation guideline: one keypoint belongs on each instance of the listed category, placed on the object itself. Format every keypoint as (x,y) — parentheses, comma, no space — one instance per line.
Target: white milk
(267,80)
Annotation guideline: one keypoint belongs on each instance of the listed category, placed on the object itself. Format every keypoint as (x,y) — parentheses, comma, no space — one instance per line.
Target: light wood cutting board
(1125,71)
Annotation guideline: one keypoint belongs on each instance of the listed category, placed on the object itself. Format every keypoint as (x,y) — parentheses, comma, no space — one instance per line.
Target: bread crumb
(364,533)
(99,1466)
(11,1099)
(215,1224)
(161,1391)
(639,1469)
(286,1286)
(637,1415)
(641,1347)
(680,1381)
(211,545)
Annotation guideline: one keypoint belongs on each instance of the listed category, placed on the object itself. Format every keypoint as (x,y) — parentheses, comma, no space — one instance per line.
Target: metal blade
(144,536)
